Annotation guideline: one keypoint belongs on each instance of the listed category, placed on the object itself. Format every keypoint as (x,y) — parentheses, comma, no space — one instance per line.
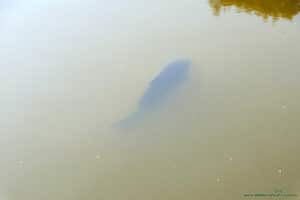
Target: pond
(195,99)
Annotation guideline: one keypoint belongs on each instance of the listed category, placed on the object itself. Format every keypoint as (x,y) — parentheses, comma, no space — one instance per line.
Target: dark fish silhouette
(168,80)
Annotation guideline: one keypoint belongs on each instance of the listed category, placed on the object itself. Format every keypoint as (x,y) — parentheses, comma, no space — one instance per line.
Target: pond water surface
(226,126)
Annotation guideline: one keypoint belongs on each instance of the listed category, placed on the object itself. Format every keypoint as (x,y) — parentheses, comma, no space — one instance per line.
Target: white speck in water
(98,157)
(218,180)
(279,171)
(230,158)
(20,162)
(283,106)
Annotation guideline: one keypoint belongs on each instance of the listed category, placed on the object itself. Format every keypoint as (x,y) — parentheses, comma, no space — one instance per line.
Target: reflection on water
(265,8)
(159,89)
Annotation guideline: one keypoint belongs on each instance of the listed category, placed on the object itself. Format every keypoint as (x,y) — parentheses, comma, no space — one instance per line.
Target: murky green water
(69,70)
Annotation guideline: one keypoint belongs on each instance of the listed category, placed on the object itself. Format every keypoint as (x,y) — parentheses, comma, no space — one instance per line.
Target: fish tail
(129,122)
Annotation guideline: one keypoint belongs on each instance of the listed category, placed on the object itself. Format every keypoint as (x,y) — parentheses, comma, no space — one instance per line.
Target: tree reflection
(274,9)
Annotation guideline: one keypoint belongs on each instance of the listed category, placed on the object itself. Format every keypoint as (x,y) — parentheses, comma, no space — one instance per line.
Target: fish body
(164,84)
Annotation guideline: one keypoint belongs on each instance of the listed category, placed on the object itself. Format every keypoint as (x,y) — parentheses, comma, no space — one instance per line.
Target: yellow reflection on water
(274,9)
